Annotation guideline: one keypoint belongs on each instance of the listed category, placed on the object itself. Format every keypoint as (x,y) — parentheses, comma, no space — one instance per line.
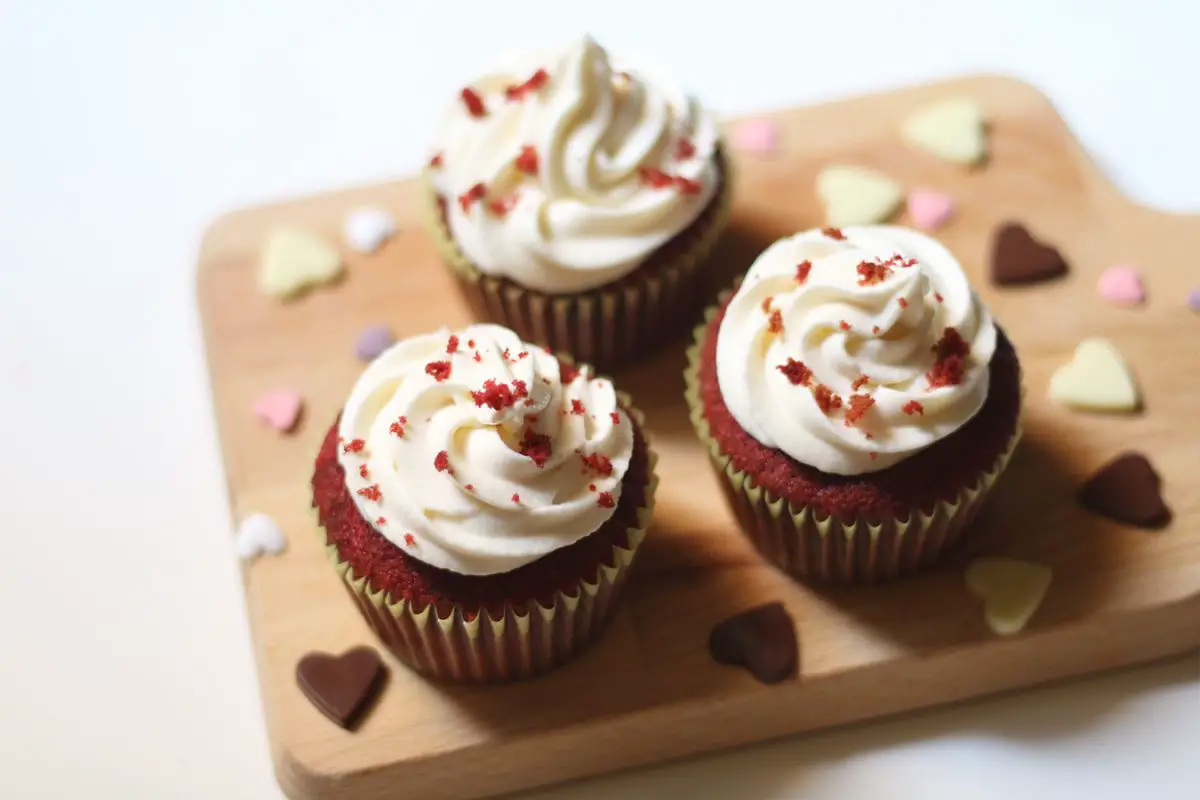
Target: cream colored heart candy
(293,260)
(857,195)
(1011,591)
(951,130)
(1095,379)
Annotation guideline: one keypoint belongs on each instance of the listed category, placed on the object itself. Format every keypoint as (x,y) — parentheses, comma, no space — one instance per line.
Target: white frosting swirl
(588,216)
(896,316)
(434,460)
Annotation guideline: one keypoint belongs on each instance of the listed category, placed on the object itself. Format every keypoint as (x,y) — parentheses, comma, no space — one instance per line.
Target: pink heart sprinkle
(1121,284)
(929,209)
(758,135)
(279,408)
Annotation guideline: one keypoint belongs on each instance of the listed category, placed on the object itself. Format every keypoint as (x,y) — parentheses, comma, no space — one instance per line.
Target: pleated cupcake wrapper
(601,327)
(521,643)
(831,550)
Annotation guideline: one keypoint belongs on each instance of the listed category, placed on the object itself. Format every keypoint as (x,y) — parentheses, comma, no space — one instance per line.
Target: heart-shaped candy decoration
(762,640)
(294,260)
(279,408)
(1095,379)
(1121,284)
(929,209)
(372,341)
(366,229)
(857,195)
(1019,258)
(1127,489)
(951,130)
(757,135)
(1011,591)
(259,535)
(341,687)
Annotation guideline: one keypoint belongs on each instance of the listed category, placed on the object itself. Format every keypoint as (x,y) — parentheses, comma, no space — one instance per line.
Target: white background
(125,663)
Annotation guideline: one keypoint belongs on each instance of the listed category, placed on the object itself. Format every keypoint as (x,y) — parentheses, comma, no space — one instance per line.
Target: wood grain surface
(648,690)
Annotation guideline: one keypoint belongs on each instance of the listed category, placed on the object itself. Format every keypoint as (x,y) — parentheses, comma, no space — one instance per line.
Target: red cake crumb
(520,388)
(410,540)
(471,343)
(436,161)
(950,360)
(470,487)
(598,463)
(522,355)
(516,498)
(535,82)
(766,304)
(577,408)
(913,407)
(363,472)
(501,206)
(354,446)
(616,418)
(775,322)
(684,149)
(473,102)
(371,492)
(655,178)
(496,396)
(605,500)
(438,370)
(844,325)
(873,272)
(467,198)
(859,382)
(441,462)
(478,357)
(826,399)
(389,568)
(918,482)
(834,233)
(903,303)
(687,185)
(796,372)
(802,270)
(538,447)
(857,406)
(452,345)
(875,329)
(527,161)
(381,521)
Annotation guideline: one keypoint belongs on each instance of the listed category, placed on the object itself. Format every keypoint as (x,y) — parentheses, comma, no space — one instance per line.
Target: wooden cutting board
(648,690)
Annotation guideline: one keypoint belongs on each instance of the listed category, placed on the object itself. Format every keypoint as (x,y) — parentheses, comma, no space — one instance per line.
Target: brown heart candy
(341,687)
(1126,489)
(760,639)
(1019,258)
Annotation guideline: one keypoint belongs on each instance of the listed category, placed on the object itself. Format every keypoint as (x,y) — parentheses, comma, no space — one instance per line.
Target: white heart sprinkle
(857,195)
(1095,379)
(366,229)
(951,130)
(259,535)
(1011,591)
(294,260)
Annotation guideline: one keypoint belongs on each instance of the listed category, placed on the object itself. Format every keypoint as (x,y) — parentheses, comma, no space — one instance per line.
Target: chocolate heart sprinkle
(341,687)
(1126,489)
(1018,258)
(760,639)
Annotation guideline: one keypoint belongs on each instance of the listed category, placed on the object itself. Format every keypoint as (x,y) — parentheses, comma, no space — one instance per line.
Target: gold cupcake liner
(602,326)
(831,550)
(525,641)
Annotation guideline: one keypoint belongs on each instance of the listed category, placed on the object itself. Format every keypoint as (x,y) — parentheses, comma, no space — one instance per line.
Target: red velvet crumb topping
(597,463)
(873,272)
(436,161)
(354,446)
(467,198)
(473,102)
(532,84)
(859,382)
(527,161)
(452,345)
(857,406)
(950,360)
(826,399)
(775,322)
(605,500)
(441,462)
(913,407)
(684,149)
(438,370)
(796,372)
(538,447)
(802,270)
(371,492)
(834,233)
(577,408)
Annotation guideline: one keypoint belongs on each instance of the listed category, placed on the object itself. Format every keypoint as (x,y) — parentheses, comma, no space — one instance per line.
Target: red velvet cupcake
(858,402)
(575,199)
(483,502)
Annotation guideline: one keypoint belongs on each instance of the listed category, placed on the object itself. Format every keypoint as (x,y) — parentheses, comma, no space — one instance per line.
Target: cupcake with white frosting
(483,502)
(857,399)
(575,198)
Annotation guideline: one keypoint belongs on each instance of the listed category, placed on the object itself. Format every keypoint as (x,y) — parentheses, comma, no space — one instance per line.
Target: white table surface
(126,667)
